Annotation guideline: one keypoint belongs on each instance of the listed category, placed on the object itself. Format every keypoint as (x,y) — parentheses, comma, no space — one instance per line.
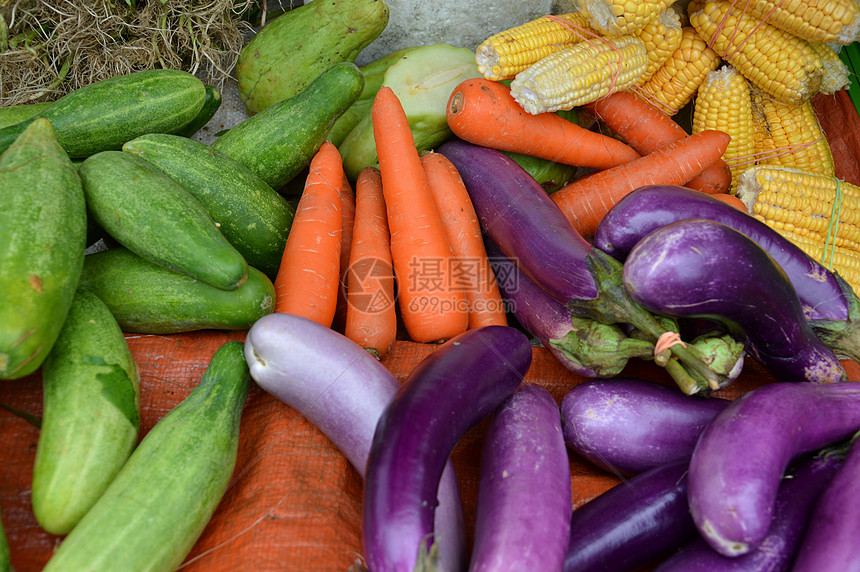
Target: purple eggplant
(448,392)
(524,497)
(628,426)
(798,493)
(529,228)
(830,543)
(631,524)
(701,268)
(828,301)
(742,454)
(342,390)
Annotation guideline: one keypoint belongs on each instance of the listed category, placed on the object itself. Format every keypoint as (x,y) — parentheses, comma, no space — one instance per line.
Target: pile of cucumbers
(195,235)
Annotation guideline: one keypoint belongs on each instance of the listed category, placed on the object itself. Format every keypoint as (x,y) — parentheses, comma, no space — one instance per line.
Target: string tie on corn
(581,33)
(833,227)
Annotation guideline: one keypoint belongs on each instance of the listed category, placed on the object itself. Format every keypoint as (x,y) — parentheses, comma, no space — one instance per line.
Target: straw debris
(51,47)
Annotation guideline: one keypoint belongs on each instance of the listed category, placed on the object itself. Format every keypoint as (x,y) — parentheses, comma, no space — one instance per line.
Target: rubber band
(772,154)
(833,227)
(652,99)
(573,28)
(666,341)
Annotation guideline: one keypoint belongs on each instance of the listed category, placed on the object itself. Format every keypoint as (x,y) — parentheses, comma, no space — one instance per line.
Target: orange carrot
(646,129)
(348,216)
(307,281)
(483,112)
(475,274)
(732,200)
(587,200)
(371,318)
(431,308)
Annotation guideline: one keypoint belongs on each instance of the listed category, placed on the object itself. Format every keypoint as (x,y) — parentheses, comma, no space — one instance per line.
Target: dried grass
(51,47)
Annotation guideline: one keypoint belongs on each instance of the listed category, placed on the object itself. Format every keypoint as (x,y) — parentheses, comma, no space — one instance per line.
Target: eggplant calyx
(842,336)
(613,304)
(602,348)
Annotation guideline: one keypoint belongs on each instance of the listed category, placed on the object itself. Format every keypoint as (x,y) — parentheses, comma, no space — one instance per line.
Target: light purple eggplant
(701,268)
(342,390)
(633,523)
(628,426)
(531,230)
(830,543)
(798,493)
(828,301)
(524,496)
(447,393)
(741,456)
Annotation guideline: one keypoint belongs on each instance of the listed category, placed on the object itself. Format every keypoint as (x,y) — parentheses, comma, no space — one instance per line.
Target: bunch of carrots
(653,150)
(406,244)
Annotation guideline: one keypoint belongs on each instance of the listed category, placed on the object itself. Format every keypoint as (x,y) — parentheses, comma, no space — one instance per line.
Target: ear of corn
(661,36)
(820,214)
(790,136)
(836,21)
(836,75)
(502,56)
(675,83)
(621,17)
(580,74)
(723,103)
(782,65)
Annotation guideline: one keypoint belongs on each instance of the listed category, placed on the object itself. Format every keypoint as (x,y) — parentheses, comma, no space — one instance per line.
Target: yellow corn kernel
(504,55)
(836,75)
(723,103)
(621,17)
(676,82)
(790,135)
(836,21)
(661,36)
(779,63)
(580,74)
(820,214)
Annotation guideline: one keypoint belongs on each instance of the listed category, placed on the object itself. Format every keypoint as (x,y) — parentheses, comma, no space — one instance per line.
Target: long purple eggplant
(742,454)
(628,426)
(828,301)
(798,493)
(631,524)
(448,392)
(702,268)
(830,543)
(524,497)
(529,228)
(342,390)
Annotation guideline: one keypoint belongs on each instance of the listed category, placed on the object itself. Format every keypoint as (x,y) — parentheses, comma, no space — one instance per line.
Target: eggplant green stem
(613,304)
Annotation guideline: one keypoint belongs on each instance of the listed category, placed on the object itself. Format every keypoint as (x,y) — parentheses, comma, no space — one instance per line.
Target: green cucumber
(250,214)
(42,243)
(277,143)
(291,50)
(105,114)
(12,114)
(5,557)
(91,415)
(154,216)
(207,112)
(159,503)
(423,79)
(149,299)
